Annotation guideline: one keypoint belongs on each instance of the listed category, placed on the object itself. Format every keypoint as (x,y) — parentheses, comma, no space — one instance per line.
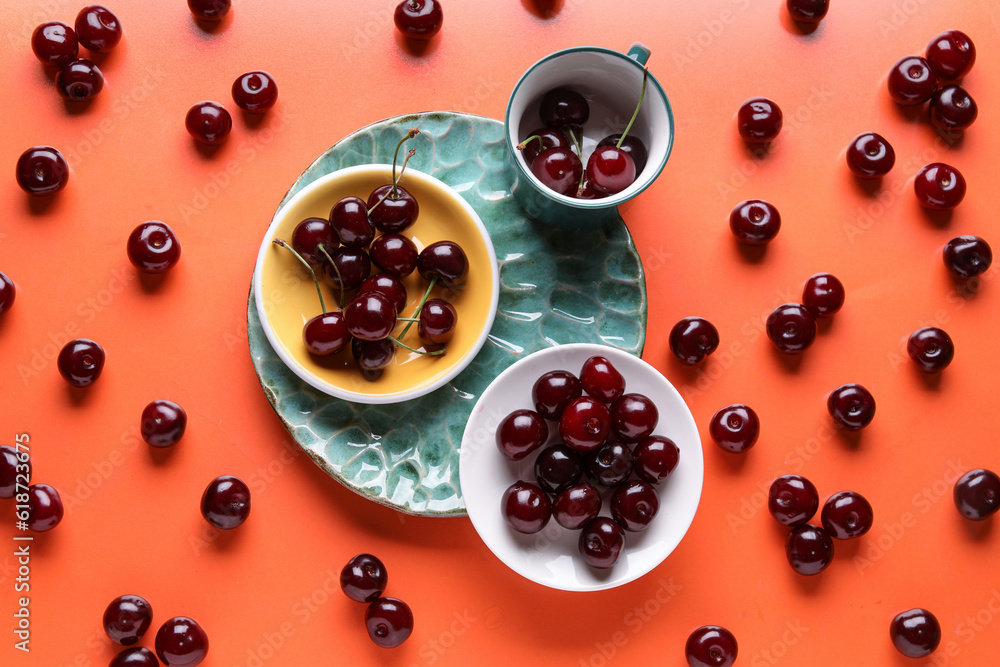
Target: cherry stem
(645,73)
(409,135)
(416,313)
(283,244)
(579,151)
(336,269)
(521,146)
(407,319)
(404,345)
(392,192)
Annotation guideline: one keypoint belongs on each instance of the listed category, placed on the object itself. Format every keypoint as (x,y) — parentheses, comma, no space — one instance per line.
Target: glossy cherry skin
(372,356)
(847,514)
(852,406)
(634,504)
(389,622)
(553,391)
(807,11)
(977,494)
(54,43)
(209,10)
(395,254)
(870,155)
(98,29)
(226,502)
(363,578)
(309,234)
(370,316)
(610,169)
(326,334)
(791,327)
(915,633)
(153,247)
(939,186)
(12,464)
(162,423)
(540,139)
(792,500)
(633,417)
(735,428)
(520,433)
(585,424)
(525,507)
(601,542)
(209,123)
(127,618)
(711,646)
(353,267)
(809,549)
(632,146)
(964,256)
(564,108)
(8,292)
(610,465)
(350,221)
(42,170)
(255,91)
(655,458)
(930,349)
(138,656)
(600,379)
(692,339)
(397,212)
(951,54)
(45,508)
(754,222)
(437,322)
(444,260)
(911,81)
(759,120)
(576,506)
(181,642)
(557,468)
(389,286)
(587,191)
(558,169)
(418,19)
(79,80)
(80,362)
(823,295)
(952,108)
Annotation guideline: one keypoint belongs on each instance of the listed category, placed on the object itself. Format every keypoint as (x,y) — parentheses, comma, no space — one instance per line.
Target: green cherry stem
(409,135)
(283,244)
(416,313)
(579,151)
(404,345)
(407,319)
(336,269)
(645,74)
(392,192)
(521,146)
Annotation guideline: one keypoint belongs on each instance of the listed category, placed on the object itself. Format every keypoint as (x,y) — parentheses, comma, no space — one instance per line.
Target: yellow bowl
(286,297)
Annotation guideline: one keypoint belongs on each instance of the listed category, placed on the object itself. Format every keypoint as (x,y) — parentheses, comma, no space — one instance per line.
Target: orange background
(267,593)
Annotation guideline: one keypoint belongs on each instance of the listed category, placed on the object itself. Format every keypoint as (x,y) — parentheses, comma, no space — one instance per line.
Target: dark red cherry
(939,186)
(576,506)
(162,423)
(397,211)
(226,502)
(557,468)
(13,462)
(54,43)
(45,508)
(852,406)
(976,494)
(586,190)
(42,170)
(791,327)
(81,361)
(389,286)
(952,108)
(792,500)
(153,247)
(209,123)
(600,379)
(349,218)
(558,169)
(823,295)
(632,146)
(610,169)
(255,91)
(79,80)
(137,656)
(326,334)
(711,646)
(564,108)
(437,322)
(553,391)
(735,428)
(353,267)
(809,549)
(181,642)
(951,54)
(634,504)
(525,507)
(847,514)
(964,256)
(363,578)
(610,465)
(870,155)
(807,11)
(759,120)
(389,622)
(585,424)
(8,292)
(98,29)
(395,254)
(930,349)
(520,433)
(127,618)
(309,234)
(540,139)
(911,81)
(915,633)
(655,458)
(418,19)
(692,339)
(372,356)
(209,10)
(601,542)
(633,417)
(370,316)
(754,222)
(445,260)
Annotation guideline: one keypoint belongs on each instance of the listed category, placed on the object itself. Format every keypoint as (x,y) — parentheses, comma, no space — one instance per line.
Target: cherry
(951,54)
(209,123)
(915,633)
(42,170)
(181,641)
(525,507)
(45,508)
(395,254)
(558,169)
(964,256)
(135,657)
(80,362)
(754,222)
(389,620)
(585,424)
(520,433)
(557,468)
(418,19)
(601,542)
(655,458)
(564,108)
(444,260)
(8,292)
(363,578)
(823,295)
(807,11)
(576,506)
(758,120)
(735,428)
(634,504)
(309,234)
(326,334)
(930,349)
(13,463)
(610,169)
(587,191)
(791,327)
(349,218)
(809,549)
(255,91)
(353,267)
(911,81)
(633,417)
(98,29)
(601,379)
(540,139)
(939,186)
(225,503)
(792,500)
(870,155)
(847,514)
(711,646)
(79,80)
(692,339)
(976,494)
(370,316)
(153,247)
(387,285)
(209,10)
(952,108)
(610,465)
(372,356)
(397,212)
(162,423)
(437,322)
(852,406)
(127,618)
(631,146)
(54,43)
(553,391)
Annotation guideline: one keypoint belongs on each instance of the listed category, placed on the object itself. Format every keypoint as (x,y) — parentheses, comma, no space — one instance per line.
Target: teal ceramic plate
(556,287)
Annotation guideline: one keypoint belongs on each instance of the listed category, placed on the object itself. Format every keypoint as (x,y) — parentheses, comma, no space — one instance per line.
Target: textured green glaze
(555,287)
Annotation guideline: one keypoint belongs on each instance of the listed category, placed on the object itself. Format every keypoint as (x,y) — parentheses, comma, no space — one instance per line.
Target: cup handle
(639,53)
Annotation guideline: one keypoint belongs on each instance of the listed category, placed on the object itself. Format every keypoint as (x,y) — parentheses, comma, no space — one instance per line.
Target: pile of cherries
(389,620)
(603,433)
(179,641)
(57,45)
